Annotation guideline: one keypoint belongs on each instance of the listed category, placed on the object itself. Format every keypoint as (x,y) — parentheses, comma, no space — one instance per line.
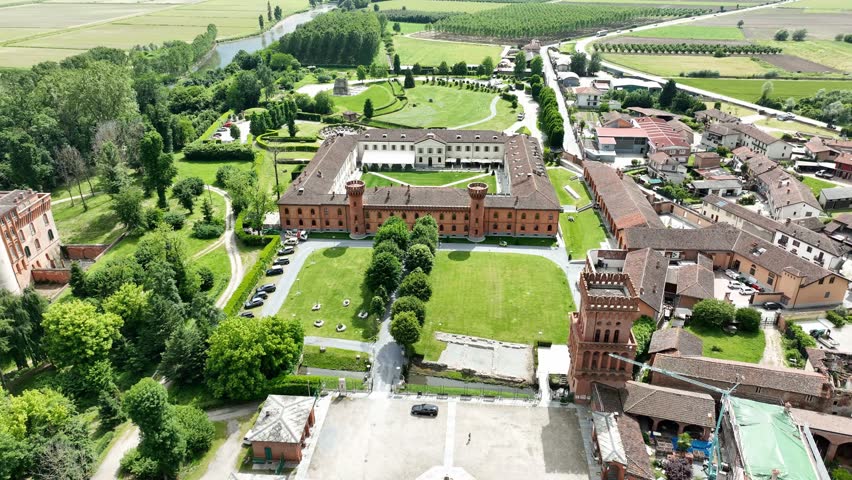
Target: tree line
(336,38)
(718,50)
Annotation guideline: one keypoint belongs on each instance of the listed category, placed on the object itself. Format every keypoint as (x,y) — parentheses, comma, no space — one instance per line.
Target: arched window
(416,216)
(404,216)
(46,221)
(313,212)
(509,215)
(286,211)
(339,211)
(313,223)
(27,251)
(440,216)
(299,211)
(597,335)
(550,228)
(50,234)
(615,337)
(454,216)
(536,216)
(495,226)
(606,336)
(495,215)
(523,216)
(37,244)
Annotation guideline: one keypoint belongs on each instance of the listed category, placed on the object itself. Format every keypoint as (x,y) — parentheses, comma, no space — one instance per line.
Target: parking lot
(380,439)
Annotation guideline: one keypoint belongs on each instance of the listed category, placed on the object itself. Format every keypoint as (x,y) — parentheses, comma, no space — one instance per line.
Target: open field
(792,126)
(750,90)
(406,28)
(583,234)
(98,224)
(380,94)
(837,55)
(762,24)
(693,33)
(666,3)
(433,52)
(69,15)
(439,6)
(560,177)
(518,298)
(20,57)
(433,106)
(823,5)
(330,276)
(742,347)
(118,35)
(206,170)
(505,118)
(817,185)
(674,65)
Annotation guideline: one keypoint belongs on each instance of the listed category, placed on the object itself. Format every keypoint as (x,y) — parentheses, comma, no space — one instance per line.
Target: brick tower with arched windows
(355,195)
(476,227)
(609,306)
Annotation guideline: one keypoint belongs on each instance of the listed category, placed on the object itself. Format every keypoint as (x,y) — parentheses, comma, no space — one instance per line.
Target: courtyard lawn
(817,185)
(371,180)
(334,359)
(750,90)
(560,177)
(742,347)
(379,93)
(432,52)
(434,106)
(502,296)
(583,234)
(328,277)
(692,32)
(98,224)
(674,65)
(429,179)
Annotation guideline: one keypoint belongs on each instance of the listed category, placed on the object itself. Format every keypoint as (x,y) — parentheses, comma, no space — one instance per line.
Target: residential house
(723,188)
(835,198)
(786,196)
(682,129)
(826,149)
(622,140)
(281,430)
(568,79)
(707,160)
(733,135)
(796,239)
(532,49)
(661,165)
(714,115)
(689,282)
(719,135)
(613,119)
(588,97)
(662,138)
(843,165)
(602,84)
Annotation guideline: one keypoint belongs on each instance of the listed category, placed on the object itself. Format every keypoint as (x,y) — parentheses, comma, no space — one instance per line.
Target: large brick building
(330,196)
(30,239)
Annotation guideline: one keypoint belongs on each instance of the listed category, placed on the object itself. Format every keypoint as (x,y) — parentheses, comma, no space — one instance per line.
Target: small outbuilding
(281,429)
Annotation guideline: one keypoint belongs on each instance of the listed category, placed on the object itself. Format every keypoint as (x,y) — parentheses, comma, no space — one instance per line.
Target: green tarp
(769,439)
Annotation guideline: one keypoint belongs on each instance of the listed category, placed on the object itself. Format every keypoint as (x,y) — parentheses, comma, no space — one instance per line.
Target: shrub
(377,305)
(837,319)
(133,463)
(204,230)
(643,329)
(747,200)
(198,429)
(748,319)
(410,304)
(798,338)
(153,217)
(223,173)
(174,220)
(252,276)
(713,312)
(207,278)
(212,152)
(703,74)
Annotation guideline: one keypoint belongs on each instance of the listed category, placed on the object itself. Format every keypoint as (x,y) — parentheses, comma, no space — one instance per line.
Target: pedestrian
(468,438)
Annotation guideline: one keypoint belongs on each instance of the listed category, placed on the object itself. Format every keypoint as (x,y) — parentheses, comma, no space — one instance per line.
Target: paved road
(230,240)
(109,468)
(583,44)
(530,120)
(570,143)
(773,352)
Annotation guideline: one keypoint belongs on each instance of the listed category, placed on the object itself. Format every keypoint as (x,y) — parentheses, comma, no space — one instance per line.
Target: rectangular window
(824,296)
(796,243)
(467,148)
(822,280)
(809,249)
(831,280)
(477,148)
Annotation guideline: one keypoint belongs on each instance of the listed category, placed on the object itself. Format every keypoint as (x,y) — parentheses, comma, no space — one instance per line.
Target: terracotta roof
(638,460)
(587,91)
(647,270)
(843,218)
(757,164)
(707,159)
(716,114)
(612,116)
(693,280)
(823,421)
(811,223)
(729,372)
(606,398)
(621,132)
(844,158)
(785,189)
(671,340)
(669,404)
(625,201)
(744,153)
(661,134)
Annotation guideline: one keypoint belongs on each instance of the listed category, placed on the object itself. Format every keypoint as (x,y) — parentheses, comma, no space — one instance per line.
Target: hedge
(313,117)
(218,152)
(251,277)
(248,238)
(307,385)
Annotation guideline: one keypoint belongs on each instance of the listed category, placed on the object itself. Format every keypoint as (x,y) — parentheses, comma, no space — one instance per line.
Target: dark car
(253,303)
(425,410)
(268,287)
(262,295)
(772,306)
(247,315)
(274,271)
(281,261)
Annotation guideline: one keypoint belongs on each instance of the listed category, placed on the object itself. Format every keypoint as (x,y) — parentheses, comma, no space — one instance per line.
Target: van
(602,33)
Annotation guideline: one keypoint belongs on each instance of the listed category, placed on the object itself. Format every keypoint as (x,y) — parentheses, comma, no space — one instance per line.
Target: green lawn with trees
(430,53)
(334,359)
(329,277)
(692,32)
(709,317)
(380,94)
(522,295)
(436,106)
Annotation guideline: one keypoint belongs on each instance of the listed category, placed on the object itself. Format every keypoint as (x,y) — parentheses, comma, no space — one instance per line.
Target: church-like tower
(476,225)
(355,195)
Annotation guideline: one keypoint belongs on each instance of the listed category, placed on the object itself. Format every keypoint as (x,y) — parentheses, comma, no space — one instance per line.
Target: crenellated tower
(476,225)
(355,195)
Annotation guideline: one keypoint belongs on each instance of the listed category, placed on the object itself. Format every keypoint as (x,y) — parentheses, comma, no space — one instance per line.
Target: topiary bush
(174,220)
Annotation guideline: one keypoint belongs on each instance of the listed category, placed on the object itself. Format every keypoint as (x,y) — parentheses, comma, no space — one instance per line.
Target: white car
(747,290)
(735,285)
(731,274)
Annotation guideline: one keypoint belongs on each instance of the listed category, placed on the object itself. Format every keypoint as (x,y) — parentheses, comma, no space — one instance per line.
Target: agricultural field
(406,28)
(674,65)
(823,5)
(792,126)
(439,5)
(692,33)
(434,106)
(836,55)
(750,90)
(413,50)
(762,24)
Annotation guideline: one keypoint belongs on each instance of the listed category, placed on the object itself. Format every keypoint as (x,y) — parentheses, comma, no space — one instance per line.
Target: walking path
(108,470)
(354,345)
(493,107)
(230,241)
(530,121)
(74,197)
(773,351)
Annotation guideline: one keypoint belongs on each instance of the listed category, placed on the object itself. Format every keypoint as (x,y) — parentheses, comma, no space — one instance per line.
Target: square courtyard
(380,439)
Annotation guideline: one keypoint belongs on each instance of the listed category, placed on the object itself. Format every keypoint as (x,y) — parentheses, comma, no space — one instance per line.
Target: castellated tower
(476,225)
(355,194)
(609,306)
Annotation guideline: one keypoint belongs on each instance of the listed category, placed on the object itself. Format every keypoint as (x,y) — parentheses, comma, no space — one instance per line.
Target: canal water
(224,52)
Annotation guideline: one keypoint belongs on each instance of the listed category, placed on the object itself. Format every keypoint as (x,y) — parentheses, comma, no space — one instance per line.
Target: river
(226,51)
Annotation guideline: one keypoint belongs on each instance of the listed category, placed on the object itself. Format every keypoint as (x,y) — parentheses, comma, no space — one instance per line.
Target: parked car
(425,410)
(247,315)
(521,116)
(755,286)
(303,235)
(732,274)
(261,295)
(274,271)
(286,251)
(267,287)
(281,261)
(735,285)
(747,290)
(253,303)
(785,116)
(292,241)
(772,306)
(824,174)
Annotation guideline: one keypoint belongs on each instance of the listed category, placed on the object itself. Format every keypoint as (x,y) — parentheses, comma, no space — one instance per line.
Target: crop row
(550,20)
(686,49)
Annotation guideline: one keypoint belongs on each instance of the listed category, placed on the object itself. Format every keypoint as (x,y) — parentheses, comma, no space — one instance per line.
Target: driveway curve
(230,240)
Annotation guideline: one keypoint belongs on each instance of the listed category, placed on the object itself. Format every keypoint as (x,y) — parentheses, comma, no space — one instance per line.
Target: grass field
(505,118)
(434,106)
(792,126)
(824,5)
(735,110)
(406,28)
(817,185)
(328,277)
(674,65)
(439,5)
(428,179)
(743,347)
(692,32)
(334,359)
(560,177)
(583,234)
(217,261)
(98,224)
(837,55)
(750,90)
(432,52)
(380,94)
(516,297)
(206,170)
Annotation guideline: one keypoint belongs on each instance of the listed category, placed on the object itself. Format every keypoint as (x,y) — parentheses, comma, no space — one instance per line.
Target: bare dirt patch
(792,63)
(762,24)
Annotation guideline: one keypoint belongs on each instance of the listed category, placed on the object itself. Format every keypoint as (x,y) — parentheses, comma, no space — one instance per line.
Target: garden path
(230,241)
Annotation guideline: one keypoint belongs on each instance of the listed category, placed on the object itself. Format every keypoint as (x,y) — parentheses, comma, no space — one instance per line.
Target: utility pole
(275,151)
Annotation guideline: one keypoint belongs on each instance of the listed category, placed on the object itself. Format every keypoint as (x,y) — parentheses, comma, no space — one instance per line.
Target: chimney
(654,289)
(787,222)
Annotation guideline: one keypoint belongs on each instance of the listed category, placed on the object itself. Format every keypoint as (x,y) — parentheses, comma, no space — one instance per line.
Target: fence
(496,393)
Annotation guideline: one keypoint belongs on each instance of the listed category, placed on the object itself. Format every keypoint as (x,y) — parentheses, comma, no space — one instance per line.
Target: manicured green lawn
(406,28)
(334,359)
(380,94)
(505,118)
(817,185)
(743,347)
(205,170)
(434,106)
(510,297)
(371,180)
(750,90)
(328,277)
(674,65)
(431,52)
(266,171)
(560,177)
(583,234)
(568,47)
(428,179)
(98,224)
(692,32)
(217,261)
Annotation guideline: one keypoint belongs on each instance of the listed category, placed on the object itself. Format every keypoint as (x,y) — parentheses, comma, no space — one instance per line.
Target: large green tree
(419,256)
(158,167)
(416,284)
(243,91)
(127,205)
(75,334)
(713,312)
(405,329)
(394,229)
(384,271)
